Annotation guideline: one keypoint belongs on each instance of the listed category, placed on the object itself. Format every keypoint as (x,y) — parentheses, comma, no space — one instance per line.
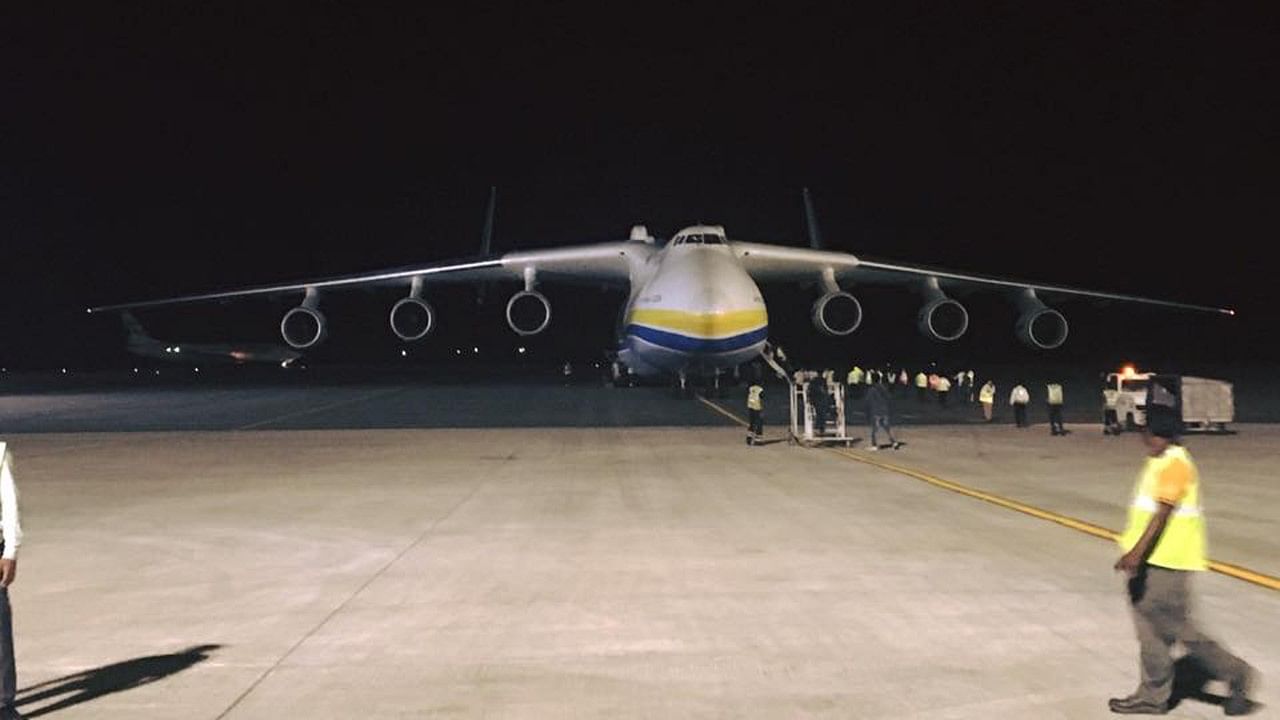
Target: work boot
(1238,702)
(1134,705)
(751,440)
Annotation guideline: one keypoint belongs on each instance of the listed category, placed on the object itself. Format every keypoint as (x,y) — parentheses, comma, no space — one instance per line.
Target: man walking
(1019,399)
(1164,546)
(878,414)
(12,537)
(755,413)
(1055,409)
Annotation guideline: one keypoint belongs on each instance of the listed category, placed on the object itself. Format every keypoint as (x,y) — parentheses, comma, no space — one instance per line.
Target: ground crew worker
(988,398)
(817,391)
(12,538)
(1055,409)
(903,379)
(969,384)
(944,389)
(1164,545)
(878,414)
(755,413)
(922,384)
(1019,399)
(854,377)
(1110,421)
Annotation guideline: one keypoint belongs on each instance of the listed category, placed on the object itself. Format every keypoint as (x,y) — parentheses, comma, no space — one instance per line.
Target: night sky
(182,147)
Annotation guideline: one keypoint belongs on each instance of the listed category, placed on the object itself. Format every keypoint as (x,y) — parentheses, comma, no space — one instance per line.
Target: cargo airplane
(142,344)
(693,303)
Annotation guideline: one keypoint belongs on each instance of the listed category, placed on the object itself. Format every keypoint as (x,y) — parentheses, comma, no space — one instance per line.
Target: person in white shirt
(1019,399)
(12,537)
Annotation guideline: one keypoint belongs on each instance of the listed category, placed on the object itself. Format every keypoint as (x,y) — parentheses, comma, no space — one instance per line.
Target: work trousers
(920,394)
(1055,420)
(1161,603)
(986,411)
(942,397)
(756,421)
(877,422)
(1020,414)
(8,670)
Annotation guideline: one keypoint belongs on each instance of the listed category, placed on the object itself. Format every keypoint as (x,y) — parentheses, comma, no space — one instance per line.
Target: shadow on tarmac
(1189,681)
(89,685)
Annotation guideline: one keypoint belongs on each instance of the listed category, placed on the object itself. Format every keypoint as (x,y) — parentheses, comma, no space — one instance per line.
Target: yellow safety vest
(922,380)
(987,394)
(855,376)
(1055,394)
(1182,544)
(753,398)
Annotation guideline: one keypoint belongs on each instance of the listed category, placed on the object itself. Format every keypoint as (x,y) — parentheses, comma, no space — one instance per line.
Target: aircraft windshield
(1133,385)
(700,239)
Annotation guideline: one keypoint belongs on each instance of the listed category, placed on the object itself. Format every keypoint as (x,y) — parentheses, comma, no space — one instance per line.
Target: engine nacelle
(1042,327)
(412,319)
(837,314)
(528,312)
(943,319)
(303,327)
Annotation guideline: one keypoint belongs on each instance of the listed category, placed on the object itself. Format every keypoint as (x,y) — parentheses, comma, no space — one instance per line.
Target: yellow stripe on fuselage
(701,324)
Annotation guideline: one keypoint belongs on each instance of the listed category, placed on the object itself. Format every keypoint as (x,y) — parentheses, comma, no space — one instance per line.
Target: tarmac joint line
(1235,571)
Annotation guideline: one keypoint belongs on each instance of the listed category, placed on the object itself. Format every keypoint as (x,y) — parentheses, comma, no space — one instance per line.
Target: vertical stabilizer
(486,235)
(811,222)
(133,327)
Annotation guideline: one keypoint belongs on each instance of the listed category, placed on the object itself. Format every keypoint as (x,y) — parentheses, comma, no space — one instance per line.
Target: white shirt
(9,505)
(1019,396)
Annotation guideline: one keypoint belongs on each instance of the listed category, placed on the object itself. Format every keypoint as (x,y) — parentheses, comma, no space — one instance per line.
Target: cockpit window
(712,239)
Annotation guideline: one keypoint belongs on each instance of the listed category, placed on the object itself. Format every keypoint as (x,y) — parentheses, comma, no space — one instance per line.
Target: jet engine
(837,313)
(528,312)
(412,319)
(943,319)
(1042,327)
(303,327)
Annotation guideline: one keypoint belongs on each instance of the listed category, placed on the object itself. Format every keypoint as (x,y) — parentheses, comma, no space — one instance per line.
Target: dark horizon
(1129,149)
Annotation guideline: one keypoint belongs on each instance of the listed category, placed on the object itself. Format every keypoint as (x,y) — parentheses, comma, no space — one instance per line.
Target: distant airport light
(135,371)
(458,351)
(197,369)
(64,371)
(1129,371)
(520,349)
(475,350)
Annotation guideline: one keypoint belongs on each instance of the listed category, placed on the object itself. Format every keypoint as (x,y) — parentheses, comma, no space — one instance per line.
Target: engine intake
(943,319)
(528,312)
(1042,327)
(412,319)
(837,314)
(303,327)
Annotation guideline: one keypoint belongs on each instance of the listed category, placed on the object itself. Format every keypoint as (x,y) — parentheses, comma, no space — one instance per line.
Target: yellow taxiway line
(1236,571)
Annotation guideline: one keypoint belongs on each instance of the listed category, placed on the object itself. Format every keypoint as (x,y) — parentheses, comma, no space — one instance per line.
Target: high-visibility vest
(855,376)
(1019,396)
(1055,394)
(1182,545)
(753,398)
(944,385)
(922,380)
(987,394)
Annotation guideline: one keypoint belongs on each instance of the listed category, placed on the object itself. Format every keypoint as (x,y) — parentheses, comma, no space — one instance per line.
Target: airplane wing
(600,263)
(774,263)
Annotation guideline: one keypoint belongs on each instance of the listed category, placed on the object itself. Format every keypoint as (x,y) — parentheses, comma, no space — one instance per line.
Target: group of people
(932,383)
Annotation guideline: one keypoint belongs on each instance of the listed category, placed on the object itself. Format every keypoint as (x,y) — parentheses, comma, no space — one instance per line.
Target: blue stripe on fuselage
(684,343)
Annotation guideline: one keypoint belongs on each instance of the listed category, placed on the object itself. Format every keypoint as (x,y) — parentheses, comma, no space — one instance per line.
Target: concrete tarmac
(596,571)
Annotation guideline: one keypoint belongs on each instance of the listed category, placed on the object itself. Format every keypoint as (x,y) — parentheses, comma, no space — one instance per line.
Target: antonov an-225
(694,303)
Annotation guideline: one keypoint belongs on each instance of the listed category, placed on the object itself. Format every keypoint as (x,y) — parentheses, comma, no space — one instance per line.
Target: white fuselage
(693,308)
